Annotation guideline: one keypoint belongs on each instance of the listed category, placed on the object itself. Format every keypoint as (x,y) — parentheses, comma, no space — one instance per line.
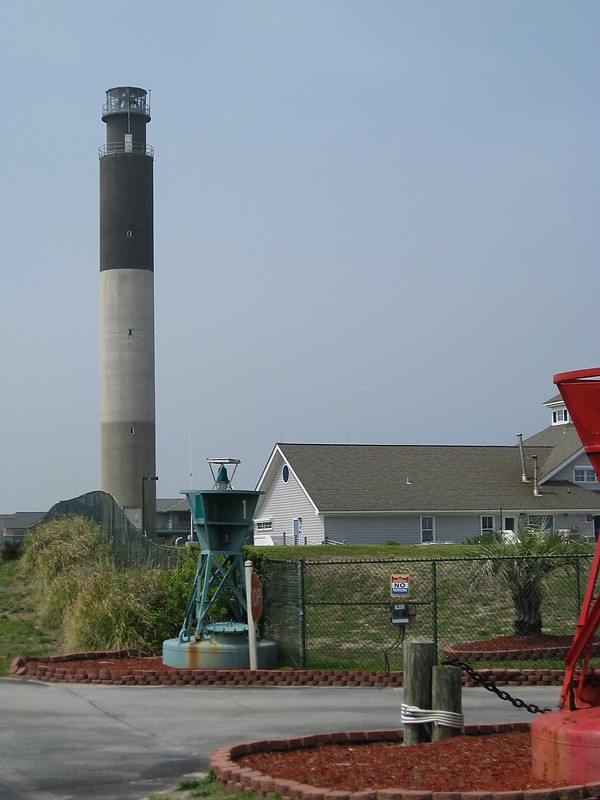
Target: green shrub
(11,550)
(178,585)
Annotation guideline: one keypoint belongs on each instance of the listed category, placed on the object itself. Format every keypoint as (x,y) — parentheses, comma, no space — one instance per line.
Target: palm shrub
(523,567)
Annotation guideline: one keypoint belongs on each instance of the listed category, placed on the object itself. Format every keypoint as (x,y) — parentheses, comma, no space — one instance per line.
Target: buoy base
(565,746)
(219,648)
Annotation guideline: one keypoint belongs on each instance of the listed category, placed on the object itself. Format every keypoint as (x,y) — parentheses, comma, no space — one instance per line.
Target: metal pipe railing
(129,148)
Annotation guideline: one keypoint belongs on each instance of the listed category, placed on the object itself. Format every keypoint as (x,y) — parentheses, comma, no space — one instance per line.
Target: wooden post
(446,695)
(419,658)
(251,623)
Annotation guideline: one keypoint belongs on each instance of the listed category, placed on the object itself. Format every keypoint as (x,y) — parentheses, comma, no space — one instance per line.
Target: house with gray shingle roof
(368,494)
(16,526)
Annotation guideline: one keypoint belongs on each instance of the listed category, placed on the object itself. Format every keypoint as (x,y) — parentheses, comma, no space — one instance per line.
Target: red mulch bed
(517,643)
(145,663)
(513,648)
(492,763)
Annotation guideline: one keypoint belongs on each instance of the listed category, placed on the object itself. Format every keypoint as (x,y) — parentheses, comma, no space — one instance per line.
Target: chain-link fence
(336,614)
(131,548)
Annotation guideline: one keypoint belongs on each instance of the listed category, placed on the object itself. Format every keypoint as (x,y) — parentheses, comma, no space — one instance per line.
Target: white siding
(283,503)
(457,529)
(402,529)
(374,529)
(576,522)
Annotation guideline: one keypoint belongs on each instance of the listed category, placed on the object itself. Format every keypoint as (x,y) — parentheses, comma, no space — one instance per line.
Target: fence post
(434,606)
(419,658)
(302,612)
(446,695)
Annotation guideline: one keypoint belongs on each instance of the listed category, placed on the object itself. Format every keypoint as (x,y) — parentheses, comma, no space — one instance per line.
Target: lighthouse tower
(127,406)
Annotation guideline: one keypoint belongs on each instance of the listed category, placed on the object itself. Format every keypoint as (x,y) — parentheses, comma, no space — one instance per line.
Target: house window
(263,524)
(560,416)
(427,529)
(584,475)
(285,473)
(487,524)
(545,521)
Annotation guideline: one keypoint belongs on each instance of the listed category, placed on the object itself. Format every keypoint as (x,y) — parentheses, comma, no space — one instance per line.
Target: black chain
(491,687)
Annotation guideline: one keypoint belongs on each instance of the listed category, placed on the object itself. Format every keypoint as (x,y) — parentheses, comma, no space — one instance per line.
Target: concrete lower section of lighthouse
(127,387)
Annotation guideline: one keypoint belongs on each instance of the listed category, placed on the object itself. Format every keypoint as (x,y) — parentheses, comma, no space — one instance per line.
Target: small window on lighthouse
(132,430)
(129,142)
(129,234)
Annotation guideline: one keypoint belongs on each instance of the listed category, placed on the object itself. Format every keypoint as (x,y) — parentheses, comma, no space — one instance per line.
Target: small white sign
(399,585)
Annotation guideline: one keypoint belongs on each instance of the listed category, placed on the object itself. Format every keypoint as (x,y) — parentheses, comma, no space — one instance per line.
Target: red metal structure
(566,743)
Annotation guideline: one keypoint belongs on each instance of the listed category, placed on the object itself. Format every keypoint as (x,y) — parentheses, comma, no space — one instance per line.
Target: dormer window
(584,474)
(560,416)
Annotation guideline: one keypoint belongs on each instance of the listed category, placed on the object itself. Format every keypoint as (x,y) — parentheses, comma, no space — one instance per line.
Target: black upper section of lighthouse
(126,182)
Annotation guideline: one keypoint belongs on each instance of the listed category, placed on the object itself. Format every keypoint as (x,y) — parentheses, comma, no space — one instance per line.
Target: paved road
(65,741)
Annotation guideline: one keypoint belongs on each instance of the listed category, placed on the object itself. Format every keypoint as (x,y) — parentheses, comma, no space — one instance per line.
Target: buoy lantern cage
(222,523)
(218,469)
(566,743)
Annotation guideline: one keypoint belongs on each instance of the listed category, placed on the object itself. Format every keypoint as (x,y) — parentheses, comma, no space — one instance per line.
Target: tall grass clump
(62,545)
(113,610)
(92,601)
(80,590)
(130,609)
(57,556)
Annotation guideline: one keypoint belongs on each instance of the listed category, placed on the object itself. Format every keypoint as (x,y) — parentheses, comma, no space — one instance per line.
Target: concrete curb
(55,669)
(223,764)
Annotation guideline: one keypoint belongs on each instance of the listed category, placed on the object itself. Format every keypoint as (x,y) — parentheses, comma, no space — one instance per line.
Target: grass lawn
(206,786)
(321,552)
(19,633)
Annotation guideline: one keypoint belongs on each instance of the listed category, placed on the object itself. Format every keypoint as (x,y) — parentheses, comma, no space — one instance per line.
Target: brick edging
(223,764)
(54,669)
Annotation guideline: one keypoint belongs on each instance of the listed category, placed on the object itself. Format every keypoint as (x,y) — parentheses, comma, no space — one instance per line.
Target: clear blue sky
(375,222)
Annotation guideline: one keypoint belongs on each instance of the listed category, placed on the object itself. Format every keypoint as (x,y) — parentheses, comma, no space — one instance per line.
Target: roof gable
(276,461)
(559,444)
